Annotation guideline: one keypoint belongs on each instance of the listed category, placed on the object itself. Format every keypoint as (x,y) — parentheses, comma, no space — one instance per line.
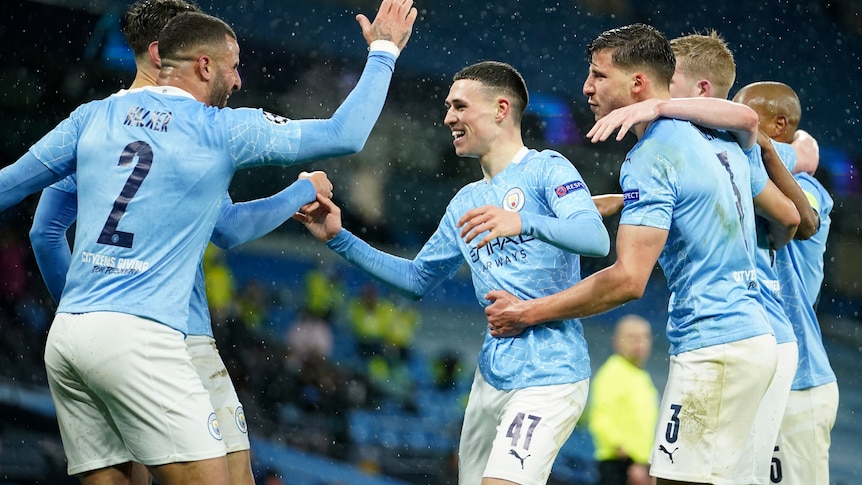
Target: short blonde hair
(701,56)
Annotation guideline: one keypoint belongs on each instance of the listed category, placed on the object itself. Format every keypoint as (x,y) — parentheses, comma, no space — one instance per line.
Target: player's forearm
(783,179)
(608,204)
(396,272)
(715,113)
(247,221)
(351,124)
(600,292)
(55,213)
(583,234)
(22,178)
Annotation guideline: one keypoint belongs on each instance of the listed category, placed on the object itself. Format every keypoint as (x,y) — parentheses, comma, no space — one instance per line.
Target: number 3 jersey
(674,179)
(152,168)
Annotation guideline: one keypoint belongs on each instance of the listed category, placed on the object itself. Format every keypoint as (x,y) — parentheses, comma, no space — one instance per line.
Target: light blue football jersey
(767,274)
(542,183)
(674,179)
(807,256)
(801,271)
(152,166)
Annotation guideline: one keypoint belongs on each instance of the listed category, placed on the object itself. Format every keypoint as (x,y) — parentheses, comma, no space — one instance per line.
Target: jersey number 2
(144,153)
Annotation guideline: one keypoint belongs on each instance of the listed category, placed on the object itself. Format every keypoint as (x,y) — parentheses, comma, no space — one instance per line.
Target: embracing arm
(56,212)
(638,249)
(608,204)
(780,212)
(738,119)
(809,221)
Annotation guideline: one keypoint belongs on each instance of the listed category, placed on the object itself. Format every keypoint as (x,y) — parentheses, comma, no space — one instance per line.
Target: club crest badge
(514,200)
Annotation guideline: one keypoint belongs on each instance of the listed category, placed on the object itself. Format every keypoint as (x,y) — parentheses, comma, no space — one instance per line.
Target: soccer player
(705,70)
(528,391)
(802,451)
(237,223)
(118,367)
(691,210)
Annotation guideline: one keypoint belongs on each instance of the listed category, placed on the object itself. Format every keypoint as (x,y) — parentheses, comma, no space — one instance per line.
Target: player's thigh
(754,466)
(534,424)
(239,468)
(708,408)
(478,430)
(90,438)
(802,455)
(211,471)
(142,371)
(214,376)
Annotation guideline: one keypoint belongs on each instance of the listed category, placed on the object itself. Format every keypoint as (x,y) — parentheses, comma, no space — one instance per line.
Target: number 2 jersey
(153,166)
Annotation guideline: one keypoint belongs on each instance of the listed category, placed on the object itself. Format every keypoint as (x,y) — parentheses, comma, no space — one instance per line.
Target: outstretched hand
(496,220)
(322,218)
(504,314)
(624,119)
(394,22)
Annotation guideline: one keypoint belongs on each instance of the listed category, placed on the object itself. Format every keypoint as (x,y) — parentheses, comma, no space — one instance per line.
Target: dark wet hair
(145,19)
(637,46)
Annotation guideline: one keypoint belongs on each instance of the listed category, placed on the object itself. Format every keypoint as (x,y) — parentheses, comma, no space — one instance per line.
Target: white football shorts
(802,455)
(708,408)
(516,435)
(216,380)
(125,390)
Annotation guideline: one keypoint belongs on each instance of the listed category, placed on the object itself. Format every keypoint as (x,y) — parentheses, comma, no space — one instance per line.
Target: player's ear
(504,109)
(153,50)
(704,88)
(205,67)
(639,82)
(780,122)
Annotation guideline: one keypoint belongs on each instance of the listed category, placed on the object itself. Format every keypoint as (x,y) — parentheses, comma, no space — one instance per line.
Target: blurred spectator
(624,407)
(308,337)
(219,283)
(253,304)
(446,370)
(323,292)
(370,316)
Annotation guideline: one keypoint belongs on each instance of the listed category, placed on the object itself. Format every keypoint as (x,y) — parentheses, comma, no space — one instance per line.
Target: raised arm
(779,211)
(55,213)
(350,126)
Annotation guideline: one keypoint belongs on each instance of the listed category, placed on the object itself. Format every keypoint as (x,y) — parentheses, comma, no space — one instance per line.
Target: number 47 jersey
(152,167)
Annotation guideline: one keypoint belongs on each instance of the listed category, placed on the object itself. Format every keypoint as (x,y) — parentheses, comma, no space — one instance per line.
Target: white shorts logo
(212,426)
(513,201)
(239,416)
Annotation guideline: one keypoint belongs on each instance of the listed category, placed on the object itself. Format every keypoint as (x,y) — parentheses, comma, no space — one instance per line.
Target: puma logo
(516,455)
(668,453)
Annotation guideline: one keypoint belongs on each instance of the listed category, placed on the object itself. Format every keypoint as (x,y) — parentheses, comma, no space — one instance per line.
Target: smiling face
(607,86)
(471,111)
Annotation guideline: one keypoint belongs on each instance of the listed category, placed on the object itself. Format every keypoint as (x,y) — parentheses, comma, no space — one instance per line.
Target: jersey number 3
(144,153)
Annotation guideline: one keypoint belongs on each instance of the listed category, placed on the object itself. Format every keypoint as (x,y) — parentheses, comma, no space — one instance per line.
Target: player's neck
(500,156)
(144,78)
